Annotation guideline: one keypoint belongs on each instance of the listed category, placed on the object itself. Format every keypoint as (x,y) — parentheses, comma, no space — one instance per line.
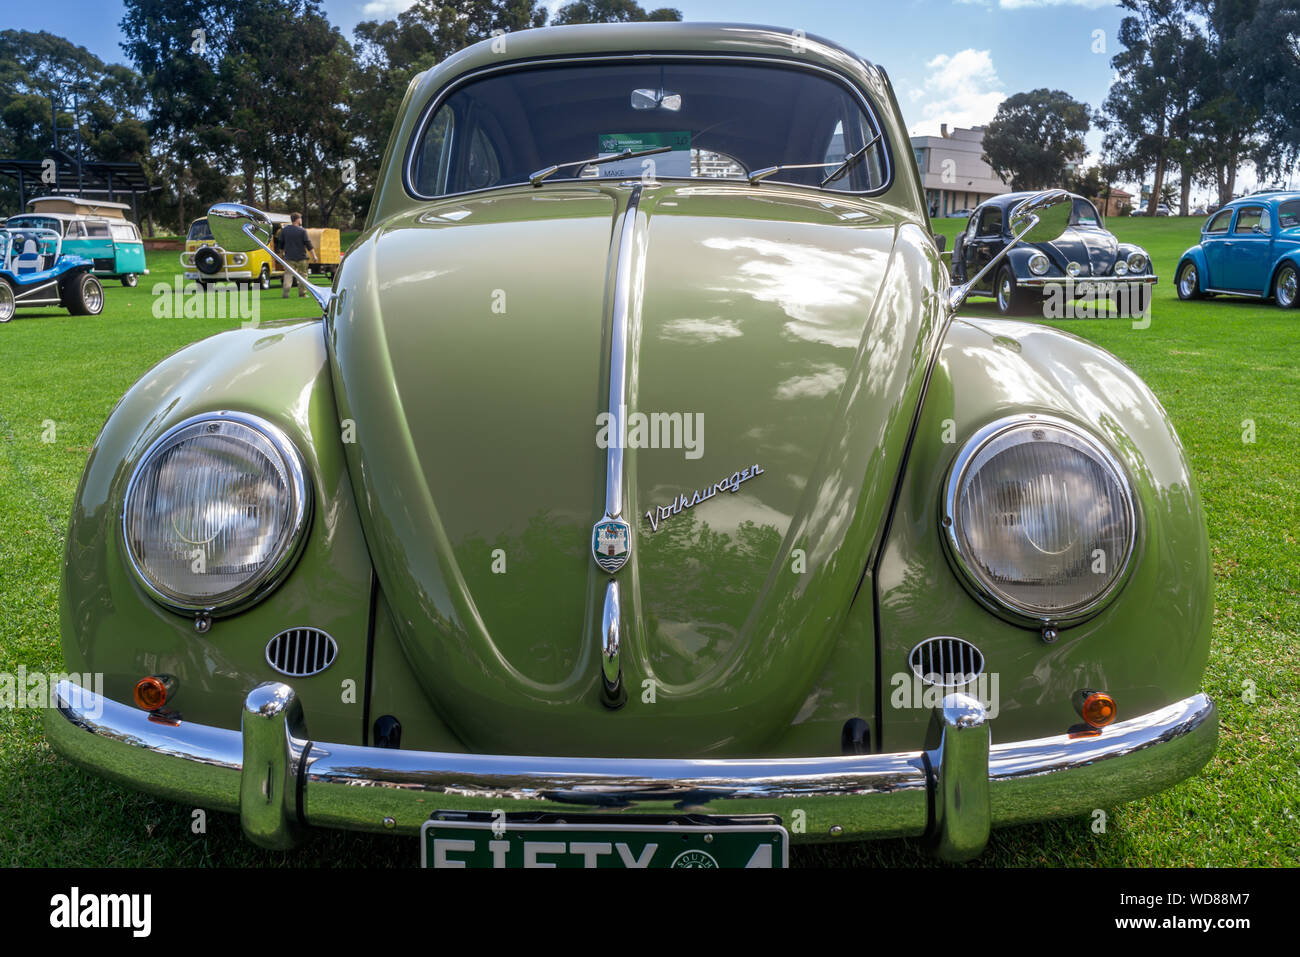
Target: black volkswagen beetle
(1087,261)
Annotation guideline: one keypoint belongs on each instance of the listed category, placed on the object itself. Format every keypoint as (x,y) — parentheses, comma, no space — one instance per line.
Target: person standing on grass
(295,245)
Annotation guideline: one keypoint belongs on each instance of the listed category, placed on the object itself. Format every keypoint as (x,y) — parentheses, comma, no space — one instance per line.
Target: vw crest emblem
(611,543)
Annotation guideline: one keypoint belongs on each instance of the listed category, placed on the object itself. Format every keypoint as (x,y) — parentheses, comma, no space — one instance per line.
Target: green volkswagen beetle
(640,499)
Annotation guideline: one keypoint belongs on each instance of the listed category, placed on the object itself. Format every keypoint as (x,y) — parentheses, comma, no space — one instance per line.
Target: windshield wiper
(541,174)
(841,168)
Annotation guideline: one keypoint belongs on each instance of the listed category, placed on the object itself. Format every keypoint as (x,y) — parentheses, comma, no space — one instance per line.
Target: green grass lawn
(1214,365)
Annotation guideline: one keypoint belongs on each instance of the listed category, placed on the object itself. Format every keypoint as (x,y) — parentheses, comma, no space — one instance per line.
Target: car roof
(1007,200)
(645,38)
(1266,198)
(60,198)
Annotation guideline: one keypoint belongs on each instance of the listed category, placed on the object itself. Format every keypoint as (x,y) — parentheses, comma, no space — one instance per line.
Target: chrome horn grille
(299,652)
(947,662)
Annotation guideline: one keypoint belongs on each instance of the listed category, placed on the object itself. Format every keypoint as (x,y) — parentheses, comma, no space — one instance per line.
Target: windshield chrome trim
(431,108)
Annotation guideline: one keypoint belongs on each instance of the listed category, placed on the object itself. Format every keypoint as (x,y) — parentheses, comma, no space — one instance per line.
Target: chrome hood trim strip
(620,319)
(613,694)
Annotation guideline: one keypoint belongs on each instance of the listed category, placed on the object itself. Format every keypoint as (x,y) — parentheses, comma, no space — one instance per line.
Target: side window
(482,168)
(1288,214)
(429,176)
(97,230)
(1221,221)
(1250,220)
(991,222)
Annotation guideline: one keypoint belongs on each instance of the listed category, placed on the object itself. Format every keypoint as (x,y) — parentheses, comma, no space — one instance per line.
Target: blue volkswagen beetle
(1250,247)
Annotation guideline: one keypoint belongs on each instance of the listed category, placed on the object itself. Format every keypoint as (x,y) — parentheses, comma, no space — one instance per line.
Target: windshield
(717,121)
(199,230)
(1084,214)
(29,221)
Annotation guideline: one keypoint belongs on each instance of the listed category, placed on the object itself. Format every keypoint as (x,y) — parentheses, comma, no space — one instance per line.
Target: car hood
(785,329)
(1094,249)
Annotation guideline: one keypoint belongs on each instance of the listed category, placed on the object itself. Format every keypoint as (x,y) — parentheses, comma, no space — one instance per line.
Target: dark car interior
(737,118)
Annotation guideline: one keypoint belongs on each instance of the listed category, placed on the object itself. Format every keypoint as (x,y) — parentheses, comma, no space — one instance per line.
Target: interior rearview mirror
(656,100)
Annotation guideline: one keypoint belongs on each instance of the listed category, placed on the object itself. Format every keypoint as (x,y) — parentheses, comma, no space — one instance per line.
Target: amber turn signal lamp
(1096,708)
(151,693)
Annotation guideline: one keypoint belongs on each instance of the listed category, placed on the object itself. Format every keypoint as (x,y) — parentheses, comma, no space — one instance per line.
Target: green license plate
(479,840)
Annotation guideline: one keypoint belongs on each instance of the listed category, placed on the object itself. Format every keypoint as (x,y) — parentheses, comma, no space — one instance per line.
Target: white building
(953,170)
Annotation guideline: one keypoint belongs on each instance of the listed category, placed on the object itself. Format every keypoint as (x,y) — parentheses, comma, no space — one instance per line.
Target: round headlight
(216,512)
(1137,262)
(1038,264)
(1040,520)
(1121,268)
(1073,270)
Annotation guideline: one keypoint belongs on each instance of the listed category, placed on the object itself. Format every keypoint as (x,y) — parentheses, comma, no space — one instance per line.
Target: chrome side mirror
(1041,218)
(241,229)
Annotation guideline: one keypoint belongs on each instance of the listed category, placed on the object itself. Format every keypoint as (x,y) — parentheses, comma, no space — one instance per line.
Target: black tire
(1011,299)
(7,305)
(85,297)
(1187,282)
(130,280)
(264,278)
(1286,286)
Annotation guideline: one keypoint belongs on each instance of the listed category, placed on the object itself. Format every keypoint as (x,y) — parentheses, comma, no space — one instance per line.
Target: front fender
(1196,256)
(1149,646)
(109,624)
(1018,258)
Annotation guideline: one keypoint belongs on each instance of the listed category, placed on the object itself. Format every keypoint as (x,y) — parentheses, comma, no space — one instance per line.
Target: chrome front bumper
(1088,282)
(279,781)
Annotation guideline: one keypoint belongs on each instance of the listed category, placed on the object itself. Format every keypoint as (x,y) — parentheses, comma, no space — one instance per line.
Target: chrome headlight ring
(1137,261)
(293,492)
(1039,264)
(972,568)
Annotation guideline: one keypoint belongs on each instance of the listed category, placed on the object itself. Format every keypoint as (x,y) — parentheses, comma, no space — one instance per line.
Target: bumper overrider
(280,782)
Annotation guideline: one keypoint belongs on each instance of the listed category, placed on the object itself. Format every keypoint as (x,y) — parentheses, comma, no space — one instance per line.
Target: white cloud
(961,90)
(386,9)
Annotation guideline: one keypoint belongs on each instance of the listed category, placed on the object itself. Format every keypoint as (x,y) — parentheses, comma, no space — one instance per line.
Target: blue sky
(951,61)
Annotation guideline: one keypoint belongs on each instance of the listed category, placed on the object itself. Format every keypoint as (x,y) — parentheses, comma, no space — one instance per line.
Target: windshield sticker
(675,163)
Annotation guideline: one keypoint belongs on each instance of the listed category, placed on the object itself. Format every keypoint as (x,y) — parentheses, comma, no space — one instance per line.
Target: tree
(1147,114)
(1034,136)
(41,74)
(610,11)
(1259,49)
(390,53)
(243,87)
